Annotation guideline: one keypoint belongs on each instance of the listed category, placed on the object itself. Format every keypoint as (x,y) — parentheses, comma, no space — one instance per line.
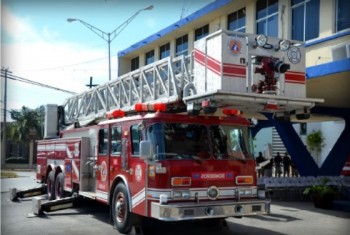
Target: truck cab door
(116,152)
(137,172)
(102,168)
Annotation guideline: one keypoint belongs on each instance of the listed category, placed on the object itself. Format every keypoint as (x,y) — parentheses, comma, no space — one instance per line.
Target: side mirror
(146,151)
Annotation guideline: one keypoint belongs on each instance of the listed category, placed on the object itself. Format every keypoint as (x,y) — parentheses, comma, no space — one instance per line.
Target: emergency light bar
(117,113)
(157,107)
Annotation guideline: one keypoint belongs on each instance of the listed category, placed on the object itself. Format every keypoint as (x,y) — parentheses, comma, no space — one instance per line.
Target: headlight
(284,45)
(248,192)
(177,194)
(181,194)
(261,40)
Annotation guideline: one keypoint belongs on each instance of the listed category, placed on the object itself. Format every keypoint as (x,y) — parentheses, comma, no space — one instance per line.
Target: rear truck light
(181,181)
(244,180)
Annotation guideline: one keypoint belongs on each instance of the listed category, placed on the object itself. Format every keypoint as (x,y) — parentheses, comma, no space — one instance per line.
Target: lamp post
(109,37)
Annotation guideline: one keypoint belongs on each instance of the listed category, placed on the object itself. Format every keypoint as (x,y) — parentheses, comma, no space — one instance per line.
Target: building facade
(324,27)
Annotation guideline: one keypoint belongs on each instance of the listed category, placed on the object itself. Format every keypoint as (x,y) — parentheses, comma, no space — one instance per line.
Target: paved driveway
(93,218)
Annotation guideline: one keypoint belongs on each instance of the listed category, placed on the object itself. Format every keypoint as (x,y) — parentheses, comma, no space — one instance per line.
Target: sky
(37,42)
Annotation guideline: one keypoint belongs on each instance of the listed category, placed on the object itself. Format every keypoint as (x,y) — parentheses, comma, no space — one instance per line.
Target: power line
(70,65)
(24,80)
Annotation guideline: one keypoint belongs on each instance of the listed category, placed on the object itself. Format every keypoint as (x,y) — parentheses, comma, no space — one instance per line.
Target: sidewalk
(25,180)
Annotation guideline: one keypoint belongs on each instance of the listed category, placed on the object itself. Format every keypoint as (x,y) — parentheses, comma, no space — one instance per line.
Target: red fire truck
(169,141)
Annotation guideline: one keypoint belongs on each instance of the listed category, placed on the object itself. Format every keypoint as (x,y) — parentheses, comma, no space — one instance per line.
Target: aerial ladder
(243,71)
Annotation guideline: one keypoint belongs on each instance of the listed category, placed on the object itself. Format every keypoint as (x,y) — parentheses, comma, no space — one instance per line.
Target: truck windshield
(228,142)
(176,141)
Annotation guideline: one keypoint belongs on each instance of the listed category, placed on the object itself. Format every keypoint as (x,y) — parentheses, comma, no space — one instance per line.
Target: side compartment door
(102,172)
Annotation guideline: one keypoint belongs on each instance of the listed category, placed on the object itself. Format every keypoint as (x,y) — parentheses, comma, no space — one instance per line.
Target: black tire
(122,217)
(59,186)
(50,186)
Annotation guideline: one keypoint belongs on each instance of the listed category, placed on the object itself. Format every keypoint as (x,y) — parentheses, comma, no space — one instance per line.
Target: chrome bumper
(209,209)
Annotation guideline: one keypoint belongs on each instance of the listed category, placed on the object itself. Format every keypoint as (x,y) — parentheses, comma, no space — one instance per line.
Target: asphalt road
(93,218)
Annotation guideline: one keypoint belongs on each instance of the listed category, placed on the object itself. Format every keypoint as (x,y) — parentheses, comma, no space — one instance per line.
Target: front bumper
(209,209)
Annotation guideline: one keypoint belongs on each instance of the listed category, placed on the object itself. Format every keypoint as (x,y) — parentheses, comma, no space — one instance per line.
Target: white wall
(331,131)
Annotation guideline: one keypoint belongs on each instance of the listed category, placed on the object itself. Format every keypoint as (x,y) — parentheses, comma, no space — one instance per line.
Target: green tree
(315,142)
(28,124)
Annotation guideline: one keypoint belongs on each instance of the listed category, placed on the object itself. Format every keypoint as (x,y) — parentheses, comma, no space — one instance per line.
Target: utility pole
(3,153)
(90,85)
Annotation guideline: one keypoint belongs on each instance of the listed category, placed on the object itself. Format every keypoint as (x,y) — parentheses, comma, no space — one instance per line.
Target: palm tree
(28,124)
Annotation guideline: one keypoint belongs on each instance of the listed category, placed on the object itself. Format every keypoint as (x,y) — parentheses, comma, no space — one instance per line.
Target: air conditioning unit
(341,52)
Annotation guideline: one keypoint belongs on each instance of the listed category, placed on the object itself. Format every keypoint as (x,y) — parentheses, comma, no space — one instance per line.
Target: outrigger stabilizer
(16,194)
(39,205)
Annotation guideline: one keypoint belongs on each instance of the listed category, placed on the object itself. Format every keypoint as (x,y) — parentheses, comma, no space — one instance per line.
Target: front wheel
(122,217)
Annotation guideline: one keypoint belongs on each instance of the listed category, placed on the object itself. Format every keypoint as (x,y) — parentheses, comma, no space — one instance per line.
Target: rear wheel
(59,183)
(50,186)
(122,217)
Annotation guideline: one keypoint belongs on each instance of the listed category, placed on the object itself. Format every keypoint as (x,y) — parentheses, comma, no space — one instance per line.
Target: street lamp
(109,37)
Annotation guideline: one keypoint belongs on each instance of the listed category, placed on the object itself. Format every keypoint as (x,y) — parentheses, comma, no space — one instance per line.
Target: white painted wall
(331,132)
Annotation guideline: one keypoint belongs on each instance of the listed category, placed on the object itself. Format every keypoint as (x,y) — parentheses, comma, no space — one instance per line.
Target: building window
(150,57)
(182,45)
(164,51)
(305,19)
(135,63)
(267,17)
(201,32)
(343,15)
(236,21)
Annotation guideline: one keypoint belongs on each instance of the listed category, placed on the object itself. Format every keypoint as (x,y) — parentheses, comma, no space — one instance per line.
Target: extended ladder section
(226,70)
(161,81)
